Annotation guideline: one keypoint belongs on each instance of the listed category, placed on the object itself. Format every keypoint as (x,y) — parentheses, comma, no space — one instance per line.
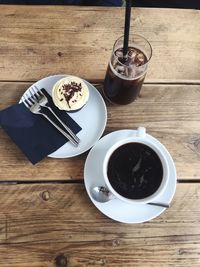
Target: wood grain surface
(169,113)
(38,231)
(46,217)
(37,41)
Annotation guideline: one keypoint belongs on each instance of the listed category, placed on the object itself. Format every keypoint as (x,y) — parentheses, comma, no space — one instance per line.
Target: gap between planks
(78,181)
(165,82)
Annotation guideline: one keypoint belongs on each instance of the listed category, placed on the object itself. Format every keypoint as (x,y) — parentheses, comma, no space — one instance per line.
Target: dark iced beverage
(124,78)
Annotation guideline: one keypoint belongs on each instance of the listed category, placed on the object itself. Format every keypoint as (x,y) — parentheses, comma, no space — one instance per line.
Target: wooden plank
(34,232)
(169,113)
(37,41)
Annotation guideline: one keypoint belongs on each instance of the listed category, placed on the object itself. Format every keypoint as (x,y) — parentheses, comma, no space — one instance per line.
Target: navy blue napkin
(32,133)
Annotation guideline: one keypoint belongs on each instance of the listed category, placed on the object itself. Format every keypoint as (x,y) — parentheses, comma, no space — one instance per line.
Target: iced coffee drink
(125,76)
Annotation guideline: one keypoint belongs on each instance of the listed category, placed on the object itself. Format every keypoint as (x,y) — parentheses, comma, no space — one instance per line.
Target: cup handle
(141,132)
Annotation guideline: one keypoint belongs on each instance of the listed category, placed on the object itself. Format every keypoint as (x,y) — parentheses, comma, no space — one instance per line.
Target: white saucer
(117,209)
(92,118)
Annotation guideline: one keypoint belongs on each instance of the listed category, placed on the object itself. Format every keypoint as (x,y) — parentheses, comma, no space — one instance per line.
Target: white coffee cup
(156,146)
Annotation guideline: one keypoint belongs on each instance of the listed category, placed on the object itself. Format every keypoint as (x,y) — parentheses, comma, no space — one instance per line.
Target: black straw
(126,29)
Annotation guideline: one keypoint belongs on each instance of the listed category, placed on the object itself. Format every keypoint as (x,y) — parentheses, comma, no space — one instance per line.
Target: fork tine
(25,102)
(41,93)
(30,101)
(33,94)
(37,91)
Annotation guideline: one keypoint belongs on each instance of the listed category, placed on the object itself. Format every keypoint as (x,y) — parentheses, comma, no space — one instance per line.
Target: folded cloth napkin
(32,133)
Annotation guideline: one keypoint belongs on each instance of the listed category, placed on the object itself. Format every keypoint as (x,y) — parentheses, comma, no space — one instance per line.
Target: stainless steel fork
(40,97)
(35,108)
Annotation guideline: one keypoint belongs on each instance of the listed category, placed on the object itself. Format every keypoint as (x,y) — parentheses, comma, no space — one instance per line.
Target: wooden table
(46,217)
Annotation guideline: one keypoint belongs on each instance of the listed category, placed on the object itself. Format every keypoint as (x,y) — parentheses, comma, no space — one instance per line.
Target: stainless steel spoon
(102,194)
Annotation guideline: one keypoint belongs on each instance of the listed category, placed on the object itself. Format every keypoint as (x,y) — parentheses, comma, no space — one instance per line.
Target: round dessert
(70,93)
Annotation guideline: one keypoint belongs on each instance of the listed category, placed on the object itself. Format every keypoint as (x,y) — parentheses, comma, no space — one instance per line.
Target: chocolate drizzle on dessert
(69,90)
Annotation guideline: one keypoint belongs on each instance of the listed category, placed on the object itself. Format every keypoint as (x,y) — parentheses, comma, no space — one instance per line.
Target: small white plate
(117,209)
(92,118)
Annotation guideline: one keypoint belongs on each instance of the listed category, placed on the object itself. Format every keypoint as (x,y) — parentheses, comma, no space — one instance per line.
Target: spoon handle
(163,205)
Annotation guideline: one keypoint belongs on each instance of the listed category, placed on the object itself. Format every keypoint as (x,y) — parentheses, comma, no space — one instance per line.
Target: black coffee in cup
(135,171)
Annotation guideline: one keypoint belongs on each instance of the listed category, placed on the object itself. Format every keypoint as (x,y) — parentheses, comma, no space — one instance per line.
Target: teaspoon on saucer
(102,194)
